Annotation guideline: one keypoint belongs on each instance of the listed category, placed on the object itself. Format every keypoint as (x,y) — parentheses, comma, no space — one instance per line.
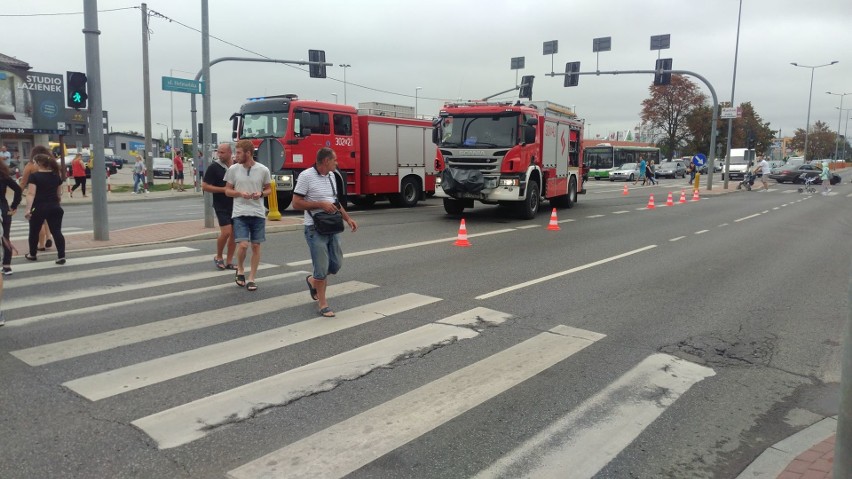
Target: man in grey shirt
(248,182)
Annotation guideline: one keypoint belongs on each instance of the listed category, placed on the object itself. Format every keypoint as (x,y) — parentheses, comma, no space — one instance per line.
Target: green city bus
(603,158)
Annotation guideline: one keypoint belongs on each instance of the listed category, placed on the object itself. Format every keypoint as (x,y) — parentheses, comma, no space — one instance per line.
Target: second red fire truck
(509,154)
(383,151)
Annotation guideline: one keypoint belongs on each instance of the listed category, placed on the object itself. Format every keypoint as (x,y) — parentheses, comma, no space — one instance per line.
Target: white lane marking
(32,266)
(595,216)
(74,276)
(562,273)
(849,195)
(589,437)
(528,227)
(405,246)
(643,209)
(72,348)
(346,446)
(565,221)
(620,212)
(776,208)
(191,421)
(136,376)
(747,218)
(764,212)
(723,225)
(104,290)
(701,232)
(26,229)
(146,299)
(677,239)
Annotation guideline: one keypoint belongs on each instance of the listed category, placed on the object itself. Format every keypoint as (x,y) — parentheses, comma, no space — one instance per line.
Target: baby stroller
(748,181)
(808,185)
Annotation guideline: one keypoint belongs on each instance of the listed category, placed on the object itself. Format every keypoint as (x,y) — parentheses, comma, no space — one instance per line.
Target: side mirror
(306,120)
(532,121)
(234,124)
(529,134)
(435,135)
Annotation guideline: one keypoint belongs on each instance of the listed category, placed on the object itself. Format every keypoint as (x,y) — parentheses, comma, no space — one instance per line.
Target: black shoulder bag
(328,223)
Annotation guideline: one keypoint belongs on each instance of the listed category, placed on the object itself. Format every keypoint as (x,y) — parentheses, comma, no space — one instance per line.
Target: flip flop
(251,286)
(327,312)
(240,279)
(311,289)
(220,264)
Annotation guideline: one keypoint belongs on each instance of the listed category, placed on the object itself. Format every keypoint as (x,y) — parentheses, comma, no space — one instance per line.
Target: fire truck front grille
(485,165)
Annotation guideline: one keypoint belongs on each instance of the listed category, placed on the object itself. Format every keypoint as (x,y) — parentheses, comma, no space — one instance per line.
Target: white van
(163,167)
(741,159)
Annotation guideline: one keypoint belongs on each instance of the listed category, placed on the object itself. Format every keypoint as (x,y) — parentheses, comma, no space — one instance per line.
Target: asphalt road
(702,334)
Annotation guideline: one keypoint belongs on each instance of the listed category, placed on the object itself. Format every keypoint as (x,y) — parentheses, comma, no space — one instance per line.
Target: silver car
(626,172)
(670,169)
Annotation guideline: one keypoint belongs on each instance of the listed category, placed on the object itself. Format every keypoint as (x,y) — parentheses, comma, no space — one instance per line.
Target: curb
(775,459)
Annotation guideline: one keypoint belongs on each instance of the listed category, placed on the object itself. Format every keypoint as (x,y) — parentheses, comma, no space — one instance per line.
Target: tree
(820,141)
(668,109)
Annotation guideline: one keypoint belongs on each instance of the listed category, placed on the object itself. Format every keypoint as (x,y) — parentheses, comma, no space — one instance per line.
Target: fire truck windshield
(264,125)
(492,131)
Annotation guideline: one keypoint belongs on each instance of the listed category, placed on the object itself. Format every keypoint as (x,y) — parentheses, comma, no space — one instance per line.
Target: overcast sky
(452,49)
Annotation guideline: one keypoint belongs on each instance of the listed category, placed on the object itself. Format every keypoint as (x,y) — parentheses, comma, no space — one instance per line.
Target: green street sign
(182,85)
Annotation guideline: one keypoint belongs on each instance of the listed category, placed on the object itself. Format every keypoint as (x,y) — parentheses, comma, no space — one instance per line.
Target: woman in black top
(43,195)
(7,211)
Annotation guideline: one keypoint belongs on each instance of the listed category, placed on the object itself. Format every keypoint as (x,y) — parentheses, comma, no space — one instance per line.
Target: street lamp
(839,117)
(415,99)
(810,95)
(335,97)
(344,66)
(166,139)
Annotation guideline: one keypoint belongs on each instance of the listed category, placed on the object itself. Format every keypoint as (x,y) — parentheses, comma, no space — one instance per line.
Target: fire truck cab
(508,154)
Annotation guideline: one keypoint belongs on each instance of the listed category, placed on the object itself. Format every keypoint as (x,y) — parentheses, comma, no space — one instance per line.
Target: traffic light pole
(100,218)
(208,200)
(712,154)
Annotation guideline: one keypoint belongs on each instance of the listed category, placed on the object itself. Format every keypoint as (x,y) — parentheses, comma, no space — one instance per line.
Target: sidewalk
(160,232)
(808,454)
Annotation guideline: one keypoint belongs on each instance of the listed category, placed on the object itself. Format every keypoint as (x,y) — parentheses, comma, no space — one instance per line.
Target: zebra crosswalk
(584,440)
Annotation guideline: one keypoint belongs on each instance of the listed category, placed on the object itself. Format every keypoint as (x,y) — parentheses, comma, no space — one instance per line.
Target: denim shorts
(326,255)
(249,228)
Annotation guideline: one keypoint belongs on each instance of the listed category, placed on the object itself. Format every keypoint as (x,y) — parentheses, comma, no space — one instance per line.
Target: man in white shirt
(248,182)
(5,155)
(763,171)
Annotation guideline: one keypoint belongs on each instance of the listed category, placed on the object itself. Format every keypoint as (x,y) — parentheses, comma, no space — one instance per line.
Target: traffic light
(750,142)
(663,78)
(316,71)
(76,89)
(571,77)
(526,87)
(200,134)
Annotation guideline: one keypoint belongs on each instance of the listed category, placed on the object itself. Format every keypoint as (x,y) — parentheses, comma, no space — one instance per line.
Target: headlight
(437,180)
(509,182)
(283,179)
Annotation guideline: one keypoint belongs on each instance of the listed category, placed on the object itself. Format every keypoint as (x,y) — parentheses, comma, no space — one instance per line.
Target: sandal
(220,264)
(231,266)
(251,286)
(311,288)
(327,312)
(240,280)
(31,258)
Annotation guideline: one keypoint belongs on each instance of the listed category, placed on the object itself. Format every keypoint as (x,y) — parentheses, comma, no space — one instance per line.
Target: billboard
(31,102)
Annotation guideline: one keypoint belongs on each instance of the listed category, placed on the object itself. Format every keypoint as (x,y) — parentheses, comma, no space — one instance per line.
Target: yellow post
(697,181)
(274,214)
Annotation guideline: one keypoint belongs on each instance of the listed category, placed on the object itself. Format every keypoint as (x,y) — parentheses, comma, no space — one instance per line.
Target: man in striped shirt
(317,190)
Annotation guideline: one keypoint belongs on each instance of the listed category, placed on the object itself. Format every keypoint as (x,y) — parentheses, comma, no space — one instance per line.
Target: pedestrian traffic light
(75,86)
(316,71)
(663,78)
(571,77)
(526,87)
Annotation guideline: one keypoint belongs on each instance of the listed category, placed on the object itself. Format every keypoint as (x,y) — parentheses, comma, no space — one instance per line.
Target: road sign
(183,85)
(270,154)
(731,112)
(699,160)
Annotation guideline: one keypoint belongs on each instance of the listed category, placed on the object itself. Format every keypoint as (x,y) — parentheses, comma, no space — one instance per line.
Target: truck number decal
(550,130)
(343,142)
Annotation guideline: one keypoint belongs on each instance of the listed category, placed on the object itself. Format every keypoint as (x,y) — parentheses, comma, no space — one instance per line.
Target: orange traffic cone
(682,197)
(669,200)
(553,225)
(624,193)
(651,203)
(462,238)
(695,195)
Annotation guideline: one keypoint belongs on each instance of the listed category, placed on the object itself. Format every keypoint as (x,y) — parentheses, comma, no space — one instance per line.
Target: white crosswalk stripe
(620,411)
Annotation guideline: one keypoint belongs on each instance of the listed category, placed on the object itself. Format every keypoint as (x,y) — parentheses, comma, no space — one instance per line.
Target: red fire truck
(383,151)
(508,154)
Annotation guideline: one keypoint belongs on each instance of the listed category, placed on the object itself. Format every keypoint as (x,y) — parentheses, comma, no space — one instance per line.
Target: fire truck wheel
(409,193)
(572,193)
(453,207)
(529,207)
(284,200)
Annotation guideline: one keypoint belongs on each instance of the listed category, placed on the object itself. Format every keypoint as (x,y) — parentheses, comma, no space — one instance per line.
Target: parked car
(87,160)
(793,173)
(163,167)
(119,161)
(626,172)
(670,169)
